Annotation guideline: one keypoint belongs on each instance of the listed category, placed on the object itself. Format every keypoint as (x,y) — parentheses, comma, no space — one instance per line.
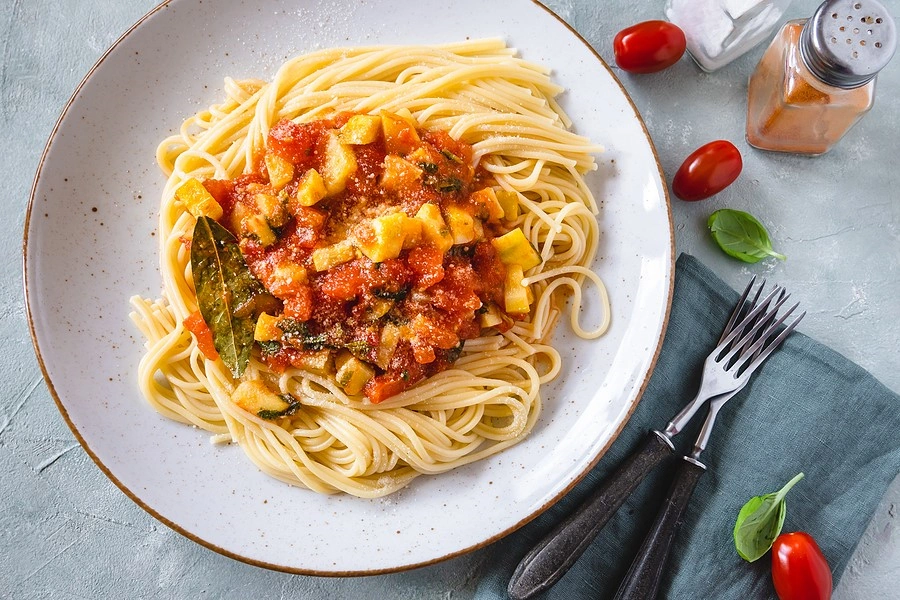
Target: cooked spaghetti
(363,261)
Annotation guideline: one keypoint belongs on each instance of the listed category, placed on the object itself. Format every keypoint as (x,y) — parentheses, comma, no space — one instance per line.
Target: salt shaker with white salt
(719,31)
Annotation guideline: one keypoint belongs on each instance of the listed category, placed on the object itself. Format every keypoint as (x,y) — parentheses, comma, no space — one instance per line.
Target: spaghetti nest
(335,439)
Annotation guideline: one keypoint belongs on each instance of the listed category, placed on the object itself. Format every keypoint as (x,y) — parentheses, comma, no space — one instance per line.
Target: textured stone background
(67,532)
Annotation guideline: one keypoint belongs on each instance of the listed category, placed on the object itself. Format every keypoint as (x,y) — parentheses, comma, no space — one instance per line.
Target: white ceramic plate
(89,246)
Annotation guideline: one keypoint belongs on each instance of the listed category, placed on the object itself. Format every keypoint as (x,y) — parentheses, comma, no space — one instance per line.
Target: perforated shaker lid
(846,42)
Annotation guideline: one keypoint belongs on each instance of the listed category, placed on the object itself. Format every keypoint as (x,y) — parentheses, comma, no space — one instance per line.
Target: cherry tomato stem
(707,171)
(799,569)
(649,46)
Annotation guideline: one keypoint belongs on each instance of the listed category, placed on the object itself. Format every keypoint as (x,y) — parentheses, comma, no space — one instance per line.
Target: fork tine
(749,318)
(782,297)
(759,344)
(739,307)
(753,323)
(773,344)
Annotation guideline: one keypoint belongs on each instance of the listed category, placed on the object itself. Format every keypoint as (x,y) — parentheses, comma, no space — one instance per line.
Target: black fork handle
(643,577)
(549,560)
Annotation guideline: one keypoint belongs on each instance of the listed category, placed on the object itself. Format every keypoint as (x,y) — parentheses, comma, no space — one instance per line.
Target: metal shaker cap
(846,42)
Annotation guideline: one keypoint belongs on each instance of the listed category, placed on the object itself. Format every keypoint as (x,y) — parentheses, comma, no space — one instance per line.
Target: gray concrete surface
(67,532)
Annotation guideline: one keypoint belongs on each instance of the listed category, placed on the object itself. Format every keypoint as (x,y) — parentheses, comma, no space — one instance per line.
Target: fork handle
(552,556)
(643,577)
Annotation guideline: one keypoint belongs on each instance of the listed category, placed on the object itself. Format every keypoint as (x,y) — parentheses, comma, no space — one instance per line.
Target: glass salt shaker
(817,78)
(719,31)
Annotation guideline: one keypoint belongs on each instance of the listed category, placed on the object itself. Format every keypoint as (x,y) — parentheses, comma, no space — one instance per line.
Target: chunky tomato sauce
(406,314)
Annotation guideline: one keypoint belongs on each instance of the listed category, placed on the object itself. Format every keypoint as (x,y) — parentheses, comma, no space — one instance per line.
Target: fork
(748,339)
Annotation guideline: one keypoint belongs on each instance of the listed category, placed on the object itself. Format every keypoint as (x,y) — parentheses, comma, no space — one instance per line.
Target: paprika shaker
(817,78)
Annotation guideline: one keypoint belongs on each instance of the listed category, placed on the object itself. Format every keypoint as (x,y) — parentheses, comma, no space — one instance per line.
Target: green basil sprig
(226,292)
(741,235)
(760,522)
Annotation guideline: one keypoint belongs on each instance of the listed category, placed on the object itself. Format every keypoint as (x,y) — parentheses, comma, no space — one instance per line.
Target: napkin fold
(806,409)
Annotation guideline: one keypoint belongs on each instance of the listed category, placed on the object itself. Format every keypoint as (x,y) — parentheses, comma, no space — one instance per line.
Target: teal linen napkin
(807,409)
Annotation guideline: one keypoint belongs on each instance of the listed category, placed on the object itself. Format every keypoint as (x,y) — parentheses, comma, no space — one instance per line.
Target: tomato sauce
(433,297)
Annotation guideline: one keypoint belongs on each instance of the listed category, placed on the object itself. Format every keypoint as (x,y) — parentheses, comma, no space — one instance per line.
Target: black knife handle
(643,577)
(552,556)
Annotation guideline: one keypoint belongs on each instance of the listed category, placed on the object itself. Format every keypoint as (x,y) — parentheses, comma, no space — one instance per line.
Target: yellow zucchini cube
(399,173)
(280,170)
(272,209)
(255,225)
(400,135)
(333,255)
(390,338)
(491,316)
(515,295)
(311,189)
(197,200)
(352,373)
(509,202)
(487,206)
(361,130)
(267,329)
(384,238)
(434,229)
(340,164)
(319,363)
(515,249)
(254,397)
(461,224)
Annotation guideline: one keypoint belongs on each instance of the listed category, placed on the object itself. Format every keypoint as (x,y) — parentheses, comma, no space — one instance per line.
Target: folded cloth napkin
(806,409)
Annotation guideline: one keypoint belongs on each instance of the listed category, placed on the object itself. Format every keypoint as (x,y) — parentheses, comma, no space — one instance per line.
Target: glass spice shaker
(719,31)
(817,78)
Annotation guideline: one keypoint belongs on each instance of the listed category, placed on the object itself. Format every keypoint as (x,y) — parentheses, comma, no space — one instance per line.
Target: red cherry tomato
(799,570)
(649,46)
(707,171)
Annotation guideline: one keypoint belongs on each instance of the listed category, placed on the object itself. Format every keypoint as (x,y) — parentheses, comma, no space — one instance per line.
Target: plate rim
(363,572)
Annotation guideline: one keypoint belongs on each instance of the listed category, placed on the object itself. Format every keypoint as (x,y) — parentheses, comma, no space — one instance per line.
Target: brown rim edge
(282,568)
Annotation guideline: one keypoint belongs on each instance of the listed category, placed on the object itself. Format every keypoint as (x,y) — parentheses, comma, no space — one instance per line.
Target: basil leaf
(759,522)
(224,283)
(741,235)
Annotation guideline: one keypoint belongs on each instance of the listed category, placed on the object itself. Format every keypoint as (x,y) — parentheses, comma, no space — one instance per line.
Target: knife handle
(552,556)
(643,577)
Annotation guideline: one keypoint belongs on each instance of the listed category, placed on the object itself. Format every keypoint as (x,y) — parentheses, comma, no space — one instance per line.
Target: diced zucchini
(256,225)
(400,136)
(197,200)
(272,209)
(434,229)
(333,255)
(399,173)
(509,201)
(280,170)
(384,239)
(319,363)
(379,308)
(487,207)
(461,224)
(352,373)
(515,249)
(311,189)
(254,397)
(515,295)
(491,316)
(267,329)
(390,338)
(361,130)
(340,164)
(286,279)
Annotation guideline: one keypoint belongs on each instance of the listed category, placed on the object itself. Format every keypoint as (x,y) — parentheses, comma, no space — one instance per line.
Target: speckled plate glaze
(90,245)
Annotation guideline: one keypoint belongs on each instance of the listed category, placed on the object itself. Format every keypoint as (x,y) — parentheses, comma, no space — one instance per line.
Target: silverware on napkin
(752,333)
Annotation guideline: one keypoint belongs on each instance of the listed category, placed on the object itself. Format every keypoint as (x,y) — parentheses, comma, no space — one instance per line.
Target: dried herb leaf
(223,282)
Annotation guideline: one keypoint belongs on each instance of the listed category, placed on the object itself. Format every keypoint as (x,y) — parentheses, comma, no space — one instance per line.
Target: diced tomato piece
(343,282)
(382,387)
(426,262)
(296,142)
(300,305)
(223,192)
(198,327)
(490,270)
